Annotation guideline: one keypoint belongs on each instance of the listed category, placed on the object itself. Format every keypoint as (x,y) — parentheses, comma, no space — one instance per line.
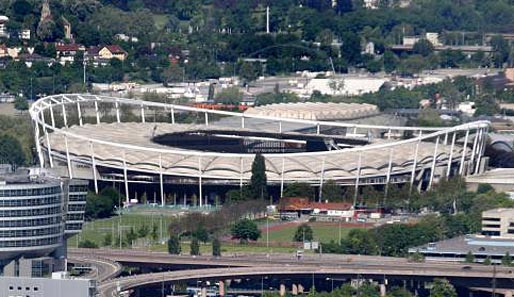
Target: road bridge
(282,266)
(102,269)
(480,277)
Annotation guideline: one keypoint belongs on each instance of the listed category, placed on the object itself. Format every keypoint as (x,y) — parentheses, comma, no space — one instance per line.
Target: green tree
(235,195)
(144,198)
(245,230)
(299,190)
(194,199)
(248,72)
(442,288)
(102,205)
(484,188)
(143,231)
(154,235)
(344,6)
(470,258)
(487,261)
(195,247)
(201,234)
(399,292)
(11,151)
(216,247)
(423,47)
(174,245)
(131,236)
(229,96)
(507,259)
(21,104)
(331,191)
(108,239)
(429,118)
(351,47)
(368,289)
(412,65)
(257,189)
(88,244)
(303,233)
(417,257)
(390,61)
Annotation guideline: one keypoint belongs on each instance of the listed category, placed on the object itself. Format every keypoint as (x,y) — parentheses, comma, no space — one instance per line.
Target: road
(109,288)
(102,269)
(240,265)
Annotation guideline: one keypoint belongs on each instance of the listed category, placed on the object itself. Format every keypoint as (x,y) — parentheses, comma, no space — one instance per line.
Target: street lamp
(339,230)
(332,280)
(267,232)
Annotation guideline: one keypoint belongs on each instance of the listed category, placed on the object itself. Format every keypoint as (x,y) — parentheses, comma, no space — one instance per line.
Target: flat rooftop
(476,244)
(25,176)
(498,212)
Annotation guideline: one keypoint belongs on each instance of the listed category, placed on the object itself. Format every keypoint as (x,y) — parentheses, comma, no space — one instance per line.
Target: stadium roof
(316,110)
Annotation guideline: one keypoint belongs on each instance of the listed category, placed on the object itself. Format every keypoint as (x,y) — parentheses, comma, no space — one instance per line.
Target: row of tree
(439,288)
(460,214)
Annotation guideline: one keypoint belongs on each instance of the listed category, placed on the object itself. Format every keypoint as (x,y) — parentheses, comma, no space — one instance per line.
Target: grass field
(280,235)
(321,232)
(96,230)
(228,248)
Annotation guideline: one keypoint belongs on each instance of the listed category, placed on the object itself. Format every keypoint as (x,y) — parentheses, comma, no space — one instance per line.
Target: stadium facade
(104,138)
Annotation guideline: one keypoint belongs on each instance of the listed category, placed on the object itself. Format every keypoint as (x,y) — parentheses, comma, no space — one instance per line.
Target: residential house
(302,206)
(3,51)
(7,52)
(3,27)
(66,53)
(126,38)
(24,34)
(103,54)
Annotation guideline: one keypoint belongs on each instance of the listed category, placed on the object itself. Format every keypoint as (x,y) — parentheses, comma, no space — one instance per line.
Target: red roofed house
(304,206)
(109,52)
(103,54)
(66,53)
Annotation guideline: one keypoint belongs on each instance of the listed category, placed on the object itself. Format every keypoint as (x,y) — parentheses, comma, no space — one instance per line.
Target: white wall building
(3,28)
(467,107)
(341,86)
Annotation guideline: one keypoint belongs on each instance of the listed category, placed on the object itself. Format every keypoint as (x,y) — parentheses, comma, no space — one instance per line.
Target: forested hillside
(169,41)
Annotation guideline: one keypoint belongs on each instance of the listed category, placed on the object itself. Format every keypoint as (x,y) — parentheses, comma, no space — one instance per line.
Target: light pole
(332,280)
(84,74)
(339,230)
(267,232)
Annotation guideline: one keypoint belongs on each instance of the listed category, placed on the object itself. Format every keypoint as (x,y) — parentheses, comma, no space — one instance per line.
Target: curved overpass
(280,265)
(103,269)
(503,278)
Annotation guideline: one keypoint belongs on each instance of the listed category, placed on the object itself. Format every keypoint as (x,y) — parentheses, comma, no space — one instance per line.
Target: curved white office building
(37,213)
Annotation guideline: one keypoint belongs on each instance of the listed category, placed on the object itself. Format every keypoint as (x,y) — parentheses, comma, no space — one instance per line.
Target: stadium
(131,141)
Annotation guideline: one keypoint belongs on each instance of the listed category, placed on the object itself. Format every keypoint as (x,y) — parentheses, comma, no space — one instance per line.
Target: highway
(248,265)
(102,269)
(109,288)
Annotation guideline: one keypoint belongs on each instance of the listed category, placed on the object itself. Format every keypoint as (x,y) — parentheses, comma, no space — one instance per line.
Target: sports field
(279,234)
